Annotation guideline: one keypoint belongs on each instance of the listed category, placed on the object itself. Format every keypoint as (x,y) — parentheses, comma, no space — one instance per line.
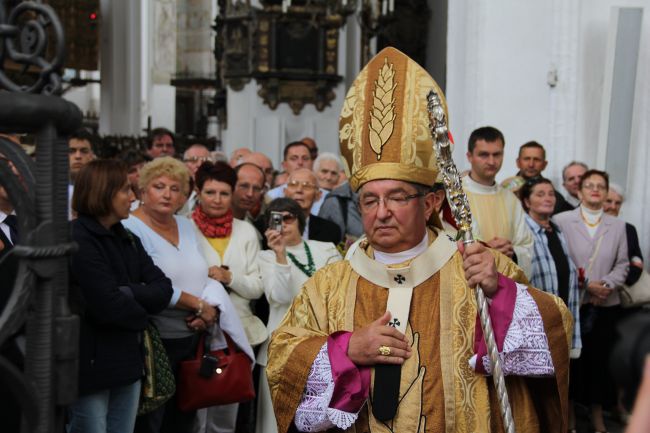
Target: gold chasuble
(439,392)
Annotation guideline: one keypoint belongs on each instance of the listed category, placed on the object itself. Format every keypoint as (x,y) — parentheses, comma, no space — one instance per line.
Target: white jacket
(241,258)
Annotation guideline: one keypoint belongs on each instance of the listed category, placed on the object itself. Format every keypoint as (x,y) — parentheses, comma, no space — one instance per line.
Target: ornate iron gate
(31,37)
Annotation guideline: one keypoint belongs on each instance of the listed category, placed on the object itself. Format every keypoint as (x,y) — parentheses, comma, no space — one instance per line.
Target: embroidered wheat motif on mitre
(382,115)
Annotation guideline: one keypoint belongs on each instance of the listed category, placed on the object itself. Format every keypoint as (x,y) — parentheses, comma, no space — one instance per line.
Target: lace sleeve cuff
(525,350)
(313,413)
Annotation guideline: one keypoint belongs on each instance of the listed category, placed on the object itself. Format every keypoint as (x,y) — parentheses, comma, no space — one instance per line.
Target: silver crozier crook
(463,216)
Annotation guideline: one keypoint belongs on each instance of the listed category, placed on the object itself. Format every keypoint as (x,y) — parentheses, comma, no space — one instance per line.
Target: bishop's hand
(368,343)
(480,267)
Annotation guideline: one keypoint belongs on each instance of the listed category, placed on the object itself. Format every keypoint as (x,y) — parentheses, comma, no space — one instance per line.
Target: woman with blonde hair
(198,302)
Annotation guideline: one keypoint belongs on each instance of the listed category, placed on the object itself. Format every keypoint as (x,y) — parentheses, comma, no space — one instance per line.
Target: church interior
(259,74)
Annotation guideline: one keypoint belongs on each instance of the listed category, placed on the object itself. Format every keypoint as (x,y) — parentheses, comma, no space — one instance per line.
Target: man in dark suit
(302,186)
(8,238)
(9,410)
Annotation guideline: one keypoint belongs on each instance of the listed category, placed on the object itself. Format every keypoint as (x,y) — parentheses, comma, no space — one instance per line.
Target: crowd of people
(189,244)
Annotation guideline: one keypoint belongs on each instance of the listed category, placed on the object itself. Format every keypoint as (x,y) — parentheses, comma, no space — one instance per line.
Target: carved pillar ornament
(297,59)
(291,50)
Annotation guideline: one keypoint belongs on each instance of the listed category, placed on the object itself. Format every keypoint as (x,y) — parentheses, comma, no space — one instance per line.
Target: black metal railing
(31,36)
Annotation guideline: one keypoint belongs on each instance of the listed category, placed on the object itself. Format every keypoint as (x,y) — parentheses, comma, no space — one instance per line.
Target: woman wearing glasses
(285,267)
(598,246)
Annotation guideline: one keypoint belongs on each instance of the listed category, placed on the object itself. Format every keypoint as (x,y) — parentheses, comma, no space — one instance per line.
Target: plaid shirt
(544,274)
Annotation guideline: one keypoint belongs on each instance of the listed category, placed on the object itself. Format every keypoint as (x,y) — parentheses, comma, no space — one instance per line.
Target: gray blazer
(611,262)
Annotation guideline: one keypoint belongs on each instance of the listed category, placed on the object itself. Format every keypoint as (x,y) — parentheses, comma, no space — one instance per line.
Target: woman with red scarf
(230,247)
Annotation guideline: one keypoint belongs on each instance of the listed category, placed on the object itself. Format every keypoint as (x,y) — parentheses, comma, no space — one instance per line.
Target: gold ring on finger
(384,350)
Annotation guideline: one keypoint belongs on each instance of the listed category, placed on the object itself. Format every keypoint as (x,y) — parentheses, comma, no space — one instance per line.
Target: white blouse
(283,282)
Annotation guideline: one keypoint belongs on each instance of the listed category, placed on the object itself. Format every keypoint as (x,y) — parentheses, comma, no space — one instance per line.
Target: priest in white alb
(497,215)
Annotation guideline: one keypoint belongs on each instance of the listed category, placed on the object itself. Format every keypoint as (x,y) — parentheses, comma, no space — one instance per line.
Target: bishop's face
(394,214)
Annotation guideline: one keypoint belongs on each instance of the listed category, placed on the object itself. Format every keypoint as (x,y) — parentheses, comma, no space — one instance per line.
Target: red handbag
(215,377)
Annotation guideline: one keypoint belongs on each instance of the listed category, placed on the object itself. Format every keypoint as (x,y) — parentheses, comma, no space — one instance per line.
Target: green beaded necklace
(308,269)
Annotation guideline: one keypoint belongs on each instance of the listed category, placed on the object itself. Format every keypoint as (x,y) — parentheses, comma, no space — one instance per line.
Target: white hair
(618,189)
(327,156)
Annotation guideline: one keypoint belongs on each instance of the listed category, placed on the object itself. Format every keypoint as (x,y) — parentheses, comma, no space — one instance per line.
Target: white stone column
(563,70)
(162,40)
(121,66)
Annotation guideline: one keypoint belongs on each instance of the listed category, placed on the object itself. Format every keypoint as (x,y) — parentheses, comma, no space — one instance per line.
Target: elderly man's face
(328,174)
(302,187)
(572,176)
(194,157)
(394,217)
(613,203)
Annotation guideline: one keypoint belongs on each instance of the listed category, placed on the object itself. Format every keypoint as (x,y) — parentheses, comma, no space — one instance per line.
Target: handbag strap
(203,346)
(205,340)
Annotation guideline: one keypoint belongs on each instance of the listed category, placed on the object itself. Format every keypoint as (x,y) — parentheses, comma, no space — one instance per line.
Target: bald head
(263,162)
(237,156)
(248,190)
(303,174)
(194,156)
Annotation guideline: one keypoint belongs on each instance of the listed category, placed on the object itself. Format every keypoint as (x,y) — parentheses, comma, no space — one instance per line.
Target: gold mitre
(384,124)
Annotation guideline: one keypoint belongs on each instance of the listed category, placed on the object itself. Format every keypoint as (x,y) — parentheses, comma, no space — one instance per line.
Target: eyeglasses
(392,202)
(305,184)
(288,218)
(596,186)
(196,159)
